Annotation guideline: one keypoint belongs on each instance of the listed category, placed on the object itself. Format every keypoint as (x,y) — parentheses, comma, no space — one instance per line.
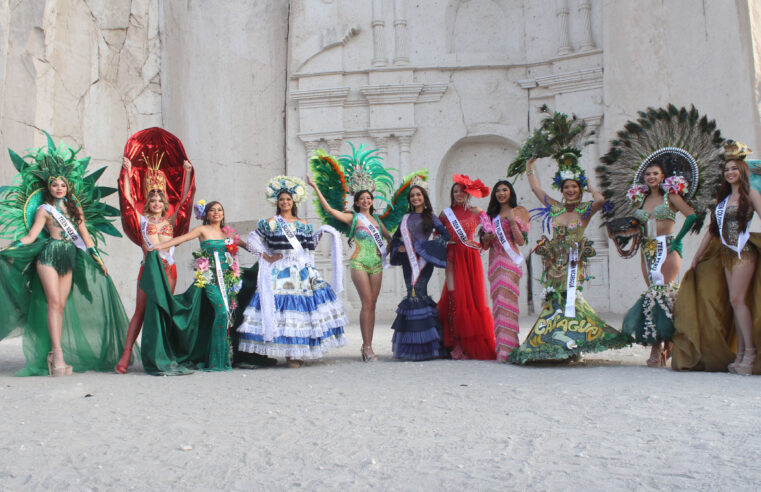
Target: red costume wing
(157,148)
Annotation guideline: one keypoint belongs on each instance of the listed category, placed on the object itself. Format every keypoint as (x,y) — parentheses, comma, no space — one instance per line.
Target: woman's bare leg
(738,282)
(56,290)
(368,288)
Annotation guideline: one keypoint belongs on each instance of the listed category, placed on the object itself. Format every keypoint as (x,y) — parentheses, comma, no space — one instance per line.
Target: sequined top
(468,220)
(153,229)
(661,212)
(731,227)
(366,255)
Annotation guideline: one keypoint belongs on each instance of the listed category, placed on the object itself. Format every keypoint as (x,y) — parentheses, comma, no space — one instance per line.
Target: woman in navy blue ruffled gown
(417,329)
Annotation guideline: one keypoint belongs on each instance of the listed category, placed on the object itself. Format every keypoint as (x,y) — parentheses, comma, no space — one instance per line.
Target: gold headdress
(154,178)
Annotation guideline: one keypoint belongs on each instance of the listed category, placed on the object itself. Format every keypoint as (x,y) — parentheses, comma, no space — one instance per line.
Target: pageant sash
(507,245)
(221,280)
(571,281)
(336,255)
(458,229)
(661,251)
(417,264)
(289,234)
(67,226)
(166,256)
(377,237)
(264,285)
(742,238)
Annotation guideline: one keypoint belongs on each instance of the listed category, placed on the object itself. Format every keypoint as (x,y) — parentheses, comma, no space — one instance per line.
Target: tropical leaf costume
(567,325)
(94,321)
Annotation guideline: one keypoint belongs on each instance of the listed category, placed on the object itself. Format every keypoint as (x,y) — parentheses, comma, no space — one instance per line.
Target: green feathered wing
(19,201)
(329,177)
(392,217)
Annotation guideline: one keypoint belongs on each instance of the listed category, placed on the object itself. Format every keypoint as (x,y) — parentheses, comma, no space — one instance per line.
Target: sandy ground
(607,423)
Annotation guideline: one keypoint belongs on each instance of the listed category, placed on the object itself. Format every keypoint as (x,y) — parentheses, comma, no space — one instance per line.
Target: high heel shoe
(367,354)
(57,371)
(656,357)
(745,367)
(733,365)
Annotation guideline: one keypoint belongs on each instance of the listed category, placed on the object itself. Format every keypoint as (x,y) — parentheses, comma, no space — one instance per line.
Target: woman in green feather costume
(55,285)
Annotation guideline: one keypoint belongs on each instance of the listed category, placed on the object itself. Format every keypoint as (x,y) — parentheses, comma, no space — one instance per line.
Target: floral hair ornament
(285,184)
(473,187)
(735,150)
(199,209)
(568,168)
(675,184)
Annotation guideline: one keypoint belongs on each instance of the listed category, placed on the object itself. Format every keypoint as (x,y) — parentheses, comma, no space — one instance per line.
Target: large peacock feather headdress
(685,144)
(19,202)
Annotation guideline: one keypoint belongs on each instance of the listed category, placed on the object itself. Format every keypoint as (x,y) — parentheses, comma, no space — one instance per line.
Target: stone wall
(451,85)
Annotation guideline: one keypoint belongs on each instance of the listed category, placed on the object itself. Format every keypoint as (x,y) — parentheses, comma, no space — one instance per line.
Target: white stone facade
(451,85)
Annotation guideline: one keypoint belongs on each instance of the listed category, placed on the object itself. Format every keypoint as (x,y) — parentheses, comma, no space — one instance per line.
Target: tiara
(735,150)
(420,182)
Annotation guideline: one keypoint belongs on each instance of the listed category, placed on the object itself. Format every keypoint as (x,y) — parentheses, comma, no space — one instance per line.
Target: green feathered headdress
(559,134)
(19,202)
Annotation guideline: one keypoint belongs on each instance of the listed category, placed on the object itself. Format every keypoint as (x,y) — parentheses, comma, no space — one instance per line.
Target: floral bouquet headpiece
(285,184)
(568,168)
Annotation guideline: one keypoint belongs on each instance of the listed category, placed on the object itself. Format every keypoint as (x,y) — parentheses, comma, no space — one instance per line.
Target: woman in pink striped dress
(507,230)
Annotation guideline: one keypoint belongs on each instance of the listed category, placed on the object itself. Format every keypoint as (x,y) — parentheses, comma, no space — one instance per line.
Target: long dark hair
(294,208)
(206,210)
(744,209)
(427,213)
(355,207)
(71,205)
(494,206)
(357,196)
(663,172)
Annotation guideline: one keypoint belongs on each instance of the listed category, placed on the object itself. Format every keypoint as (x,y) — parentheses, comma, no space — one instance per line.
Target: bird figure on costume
(52,282)
(567,324)
(362,176)
(667,161)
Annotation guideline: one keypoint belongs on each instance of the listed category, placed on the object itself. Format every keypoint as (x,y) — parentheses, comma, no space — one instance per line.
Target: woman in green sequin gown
(187,331)
(555,336)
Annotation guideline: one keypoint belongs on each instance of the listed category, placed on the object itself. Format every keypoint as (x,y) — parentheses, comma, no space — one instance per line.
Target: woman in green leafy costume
(53,284)
(567,324)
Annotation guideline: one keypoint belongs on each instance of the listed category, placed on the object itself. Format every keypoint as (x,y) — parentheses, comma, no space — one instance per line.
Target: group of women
(290,311)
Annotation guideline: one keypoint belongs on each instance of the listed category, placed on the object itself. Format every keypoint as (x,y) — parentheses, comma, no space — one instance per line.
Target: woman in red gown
(463,310)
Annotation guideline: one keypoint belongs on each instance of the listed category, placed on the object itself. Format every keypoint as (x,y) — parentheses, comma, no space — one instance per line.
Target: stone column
(564,42)
(311,146)
(405,154)
(381,143)
(585,10)
(334,146)
(400,33)
(379,47)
